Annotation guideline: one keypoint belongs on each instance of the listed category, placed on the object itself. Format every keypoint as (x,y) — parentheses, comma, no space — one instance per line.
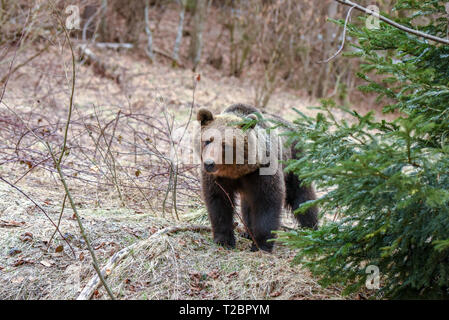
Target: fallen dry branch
(168,56)
(100,67)
(95,282)
(112,45)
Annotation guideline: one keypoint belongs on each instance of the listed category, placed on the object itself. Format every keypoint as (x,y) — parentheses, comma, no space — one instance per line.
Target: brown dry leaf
(101,245)
(195,275)
(153,230)
(27,236)
(4,223)
(81,256)
(59,248)
(214,274)
(275,294)
(131,288)
(21,262)
(112,252)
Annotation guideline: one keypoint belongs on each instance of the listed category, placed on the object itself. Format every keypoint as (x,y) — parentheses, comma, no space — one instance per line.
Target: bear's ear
(204,116)
(250,121)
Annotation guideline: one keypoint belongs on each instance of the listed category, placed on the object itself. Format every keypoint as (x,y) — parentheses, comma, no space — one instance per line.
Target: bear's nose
(209,165)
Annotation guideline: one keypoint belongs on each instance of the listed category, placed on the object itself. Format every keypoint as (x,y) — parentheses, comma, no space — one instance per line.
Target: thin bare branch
(393,23)
(348,18)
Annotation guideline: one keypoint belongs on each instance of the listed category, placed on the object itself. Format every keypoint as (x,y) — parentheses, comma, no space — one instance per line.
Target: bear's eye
(208,141)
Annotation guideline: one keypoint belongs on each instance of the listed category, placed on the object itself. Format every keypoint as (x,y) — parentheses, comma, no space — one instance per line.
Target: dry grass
(185,265)
(188,266)
(33,269)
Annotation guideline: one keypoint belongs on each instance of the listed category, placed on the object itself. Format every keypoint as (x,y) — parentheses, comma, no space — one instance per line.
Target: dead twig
(57,163)
(59,221)
(176,166)
(348,18)
(393,23)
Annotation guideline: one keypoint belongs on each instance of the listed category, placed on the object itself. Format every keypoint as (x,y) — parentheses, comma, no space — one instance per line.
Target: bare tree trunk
(89,14)
(196,41)
(331,36)
(103,19)
(149,48)
(322,81)
(93,17)
(180,28)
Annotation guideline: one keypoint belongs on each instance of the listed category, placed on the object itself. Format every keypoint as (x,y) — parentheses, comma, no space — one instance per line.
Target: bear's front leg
(219,198)
(263,197)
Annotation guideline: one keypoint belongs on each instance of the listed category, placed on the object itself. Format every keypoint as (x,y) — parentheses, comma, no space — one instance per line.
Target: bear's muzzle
(209,166)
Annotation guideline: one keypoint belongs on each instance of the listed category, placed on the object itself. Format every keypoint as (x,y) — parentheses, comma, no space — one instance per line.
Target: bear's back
(243,110)
(270,120)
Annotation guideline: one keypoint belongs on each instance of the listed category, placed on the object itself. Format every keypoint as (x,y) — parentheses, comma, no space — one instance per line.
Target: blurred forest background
(276,44)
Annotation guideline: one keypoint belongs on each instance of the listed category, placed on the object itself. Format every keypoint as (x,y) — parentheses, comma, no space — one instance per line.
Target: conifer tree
(386,183)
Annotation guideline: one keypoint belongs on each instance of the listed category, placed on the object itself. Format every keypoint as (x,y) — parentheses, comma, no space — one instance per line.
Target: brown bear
(229,167)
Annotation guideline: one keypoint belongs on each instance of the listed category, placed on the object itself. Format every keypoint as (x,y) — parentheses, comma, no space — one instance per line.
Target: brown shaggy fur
(262,196)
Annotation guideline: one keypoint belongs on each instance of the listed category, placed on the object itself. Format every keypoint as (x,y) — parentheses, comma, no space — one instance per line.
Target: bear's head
(226,148)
